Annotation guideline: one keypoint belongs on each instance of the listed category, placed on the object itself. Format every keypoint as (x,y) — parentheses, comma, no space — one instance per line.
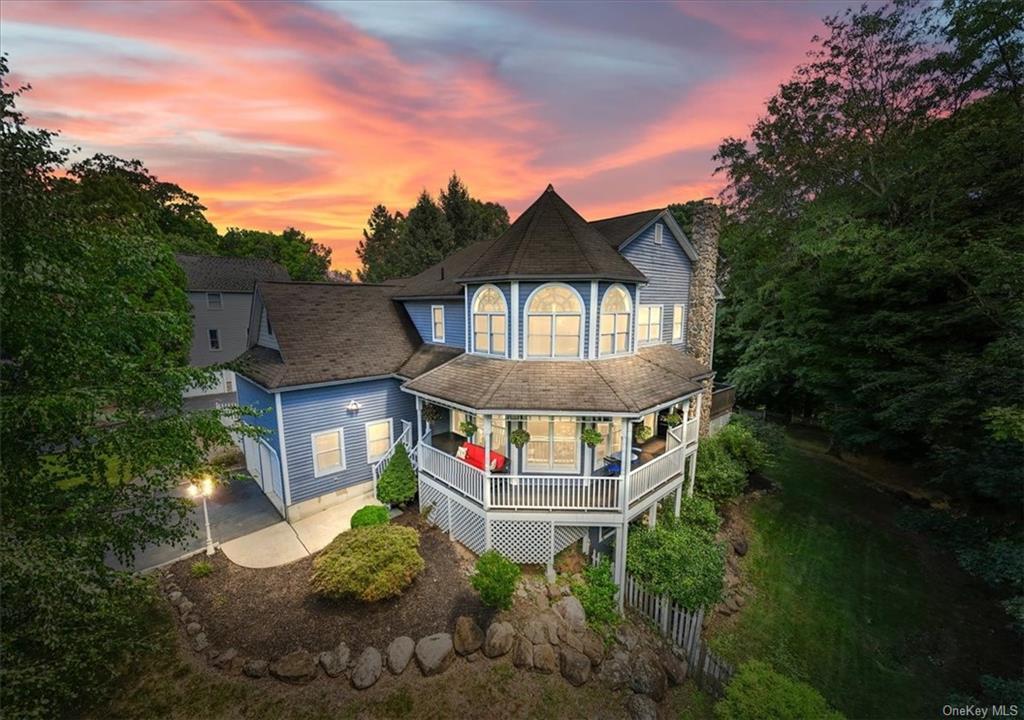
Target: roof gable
(621,230)
(212,273)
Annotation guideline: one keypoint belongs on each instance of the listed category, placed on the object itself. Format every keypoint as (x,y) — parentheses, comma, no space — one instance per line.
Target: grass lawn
(882,621)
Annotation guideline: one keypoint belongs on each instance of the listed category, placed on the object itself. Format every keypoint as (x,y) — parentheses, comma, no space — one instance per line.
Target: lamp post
(205,489)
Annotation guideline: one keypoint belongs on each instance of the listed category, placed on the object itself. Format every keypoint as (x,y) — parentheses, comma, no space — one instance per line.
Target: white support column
(487,462)
(621,538)
(549,571)
(693,474)
(679,493)
(652,515)
(626,462)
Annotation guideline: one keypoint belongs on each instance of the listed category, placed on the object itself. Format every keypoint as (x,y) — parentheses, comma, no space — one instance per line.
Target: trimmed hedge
(495,579)
(759,693)
(371,515)
(397,483)
(368,563)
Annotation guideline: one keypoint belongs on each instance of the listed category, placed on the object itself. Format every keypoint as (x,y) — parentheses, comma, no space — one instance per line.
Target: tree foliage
(396,245)
(96,334)
(679,560)
(875,241)
(397,483)
(758,692)
(299,254)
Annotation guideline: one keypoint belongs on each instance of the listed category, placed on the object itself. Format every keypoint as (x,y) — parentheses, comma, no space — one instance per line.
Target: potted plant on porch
(591,436)
(642,434)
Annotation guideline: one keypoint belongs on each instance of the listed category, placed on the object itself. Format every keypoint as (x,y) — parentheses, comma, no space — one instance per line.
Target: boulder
(675,669)
(641,707)
(175,597)
(200,642)
(554,592)
(193,628)
(627,636)
(332,663)
(368,668)
(434,653)
(535,631)
(522,653)
(400,653)
(575,666)
(468,636)
(570,609)
(740,547)
(647,676)
(542,601)
(185,606)
(296,667)
(545,659)
(255,668)
(225,659)
(615,673)
(498,640)
(593,647)
(572,640)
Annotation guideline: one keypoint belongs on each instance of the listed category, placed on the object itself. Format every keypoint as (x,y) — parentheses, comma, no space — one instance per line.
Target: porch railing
(691,430)
(449,469)
(555,492)
(657,472)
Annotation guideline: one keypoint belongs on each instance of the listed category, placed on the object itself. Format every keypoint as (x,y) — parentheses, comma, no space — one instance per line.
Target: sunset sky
(308,114)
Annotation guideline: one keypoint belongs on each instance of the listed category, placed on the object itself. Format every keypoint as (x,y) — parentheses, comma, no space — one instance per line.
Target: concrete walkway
(285,542)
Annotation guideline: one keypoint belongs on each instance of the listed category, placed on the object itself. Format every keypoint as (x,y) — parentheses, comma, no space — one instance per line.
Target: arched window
(489,313)
(554,322)
(616,321)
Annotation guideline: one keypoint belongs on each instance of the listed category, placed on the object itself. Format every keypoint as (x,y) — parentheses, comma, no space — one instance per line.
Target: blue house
(559,325)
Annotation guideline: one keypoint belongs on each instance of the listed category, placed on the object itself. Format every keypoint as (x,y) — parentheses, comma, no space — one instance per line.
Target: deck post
(621,538)
(419,431)
(679,492)
(487,462)
(652,515)
(626,462)
(693,474)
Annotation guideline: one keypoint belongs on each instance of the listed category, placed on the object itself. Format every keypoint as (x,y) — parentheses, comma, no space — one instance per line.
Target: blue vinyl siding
(257,398)
(669,271)
(526,290)
(506,291)
(454,320)
(318,409)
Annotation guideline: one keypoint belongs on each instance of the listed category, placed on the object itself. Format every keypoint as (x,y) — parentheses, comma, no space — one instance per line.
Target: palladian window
(489,321)
(554,322)
(616,321)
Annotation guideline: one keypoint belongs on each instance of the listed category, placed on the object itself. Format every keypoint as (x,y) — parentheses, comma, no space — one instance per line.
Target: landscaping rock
(255,668)
(400,653)
(535,631)
(641,707)
(615,672)
(344,654)
(542,601)
(225,659)
(295,667)
(570,609)
(740,547)
(175,597)
(468,636)
(554,592)
(545,659)
(332,664)
(473,657)
(434,653)
(675,669)
(575,666)
(593,647)
(185,606)
(647,676)
(200,642)
(731,603)
(498,640)
(522,653)
(627,636)
(368,668)
(572,640)
(192,628)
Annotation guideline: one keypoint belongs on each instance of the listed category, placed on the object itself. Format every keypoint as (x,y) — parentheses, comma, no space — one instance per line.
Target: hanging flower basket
(591,436)
(468,429)
(432,413)
(519,437)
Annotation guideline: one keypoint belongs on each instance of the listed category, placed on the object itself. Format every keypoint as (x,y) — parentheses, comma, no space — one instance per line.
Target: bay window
(554,322)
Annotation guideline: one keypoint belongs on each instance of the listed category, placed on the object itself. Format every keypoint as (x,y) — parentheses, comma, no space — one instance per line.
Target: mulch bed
(269,612)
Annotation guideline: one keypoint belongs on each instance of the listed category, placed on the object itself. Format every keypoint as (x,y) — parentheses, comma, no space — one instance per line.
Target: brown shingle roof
(427,357)
(439,280)
(550,239)
(654,375)
(621,228)
(329,332)
(211,273)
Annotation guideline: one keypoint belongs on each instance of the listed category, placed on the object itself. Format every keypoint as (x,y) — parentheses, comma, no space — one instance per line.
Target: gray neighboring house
(220,290)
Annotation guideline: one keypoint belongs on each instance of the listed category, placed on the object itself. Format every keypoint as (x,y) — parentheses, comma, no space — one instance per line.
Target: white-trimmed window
(554,444)
(649,323)
(437,323)
(214,336)
(499,429)
(378,439)
(612,442)
(214,301)
(678,318)
(328,452)
(616,321)
(489,321)
(659,231)
(554,322)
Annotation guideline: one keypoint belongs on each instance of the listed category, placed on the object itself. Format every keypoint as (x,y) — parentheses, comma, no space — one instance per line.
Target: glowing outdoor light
(354,406)
(204,488)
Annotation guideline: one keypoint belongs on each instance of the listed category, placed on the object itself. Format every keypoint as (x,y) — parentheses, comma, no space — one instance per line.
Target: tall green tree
(96,332)
(426,235)
(876,237)
(380,249)
(471,219)
(301,256)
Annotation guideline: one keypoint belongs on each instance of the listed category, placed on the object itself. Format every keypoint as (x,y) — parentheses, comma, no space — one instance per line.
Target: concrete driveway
(236,509)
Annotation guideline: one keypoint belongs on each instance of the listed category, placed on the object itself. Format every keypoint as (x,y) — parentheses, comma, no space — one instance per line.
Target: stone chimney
(700,326)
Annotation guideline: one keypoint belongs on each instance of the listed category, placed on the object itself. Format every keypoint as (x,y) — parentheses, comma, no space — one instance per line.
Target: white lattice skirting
(522,541)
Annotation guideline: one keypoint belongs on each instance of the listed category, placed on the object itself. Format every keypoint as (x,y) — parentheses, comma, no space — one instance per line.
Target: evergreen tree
(426,236)
(380,247)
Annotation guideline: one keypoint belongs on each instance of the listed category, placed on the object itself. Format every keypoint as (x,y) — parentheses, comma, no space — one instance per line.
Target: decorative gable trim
(677,232)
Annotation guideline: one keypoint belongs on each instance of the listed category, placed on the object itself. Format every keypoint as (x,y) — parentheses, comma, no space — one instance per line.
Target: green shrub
(368,563)
(719,475)
(771,436)
(397,483)
(371,515)
(597,596)
(495,579)
(200,569)
(699,512)
(759,693)
(680,560)
(738,440)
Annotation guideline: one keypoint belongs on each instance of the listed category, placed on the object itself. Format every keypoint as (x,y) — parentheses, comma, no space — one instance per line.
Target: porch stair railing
(650,476)
(404,438)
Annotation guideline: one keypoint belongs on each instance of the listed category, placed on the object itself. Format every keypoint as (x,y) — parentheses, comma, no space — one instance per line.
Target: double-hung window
(678,317)
(214,339)
(616,321)
(499,429)
(328,452)
(649,323)
(611,443)
(554,444)
(378,439)
(437,323)
(554,322)
(489,321)
(214,301)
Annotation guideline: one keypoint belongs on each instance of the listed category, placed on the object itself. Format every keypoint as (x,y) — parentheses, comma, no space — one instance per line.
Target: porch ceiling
(653,376)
